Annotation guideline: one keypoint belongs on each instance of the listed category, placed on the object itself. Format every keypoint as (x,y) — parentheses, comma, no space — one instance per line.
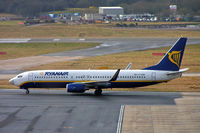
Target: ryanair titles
(56,73)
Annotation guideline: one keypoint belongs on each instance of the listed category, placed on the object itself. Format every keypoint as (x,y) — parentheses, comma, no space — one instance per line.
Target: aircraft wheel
(98,92)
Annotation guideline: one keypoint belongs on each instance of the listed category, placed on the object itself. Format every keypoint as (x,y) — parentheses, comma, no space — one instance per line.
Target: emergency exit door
(153,76)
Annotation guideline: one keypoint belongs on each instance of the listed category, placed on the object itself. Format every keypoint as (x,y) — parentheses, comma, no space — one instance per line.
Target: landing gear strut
(98,92)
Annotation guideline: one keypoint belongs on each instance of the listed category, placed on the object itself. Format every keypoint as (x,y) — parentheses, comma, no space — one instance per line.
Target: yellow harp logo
(41,73)
(174,57)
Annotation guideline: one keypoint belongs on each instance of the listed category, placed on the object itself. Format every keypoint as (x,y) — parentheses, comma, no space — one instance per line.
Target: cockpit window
(20,76)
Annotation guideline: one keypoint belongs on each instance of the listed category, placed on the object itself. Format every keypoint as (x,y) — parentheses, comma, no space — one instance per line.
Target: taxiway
(55,111)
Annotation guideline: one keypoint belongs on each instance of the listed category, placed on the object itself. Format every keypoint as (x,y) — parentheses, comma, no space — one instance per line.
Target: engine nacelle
(108,85)
(75,88)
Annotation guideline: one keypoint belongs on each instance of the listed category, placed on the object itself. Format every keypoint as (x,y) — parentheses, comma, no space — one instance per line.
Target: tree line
(158,7)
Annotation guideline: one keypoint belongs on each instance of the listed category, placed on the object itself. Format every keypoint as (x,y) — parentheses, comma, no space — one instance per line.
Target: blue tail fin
(172,60)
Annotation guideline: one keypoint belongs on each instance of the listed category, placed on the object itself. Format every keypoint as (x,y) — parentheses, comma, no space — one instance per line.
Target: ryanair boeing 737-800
(78,81)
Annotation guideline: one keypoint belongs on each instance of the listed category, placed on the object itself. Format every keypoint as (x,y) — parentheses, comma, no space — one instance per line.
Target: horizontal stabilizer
(129,66)
(180,71)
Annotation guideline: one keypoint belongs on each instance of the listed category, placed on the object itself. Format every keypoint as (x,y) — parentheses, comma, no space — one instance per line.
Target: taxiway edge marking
(120,120)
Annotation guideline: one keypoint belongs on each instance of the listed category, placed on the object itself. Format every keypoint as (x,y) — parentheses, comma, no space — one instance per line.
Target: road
(55,111)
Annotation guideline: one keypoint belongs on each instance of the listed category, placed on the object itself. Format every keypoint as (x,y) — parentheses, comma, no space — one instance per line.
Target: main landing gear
(98,92)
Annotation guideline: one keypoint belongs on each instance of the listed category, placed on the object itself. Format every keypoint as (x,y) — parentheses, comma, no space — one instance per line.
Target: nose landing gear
(27,91)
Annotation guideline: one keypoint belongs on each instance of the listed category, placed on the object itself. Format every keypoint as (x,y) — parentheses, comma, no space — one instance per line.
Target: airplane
(79,81)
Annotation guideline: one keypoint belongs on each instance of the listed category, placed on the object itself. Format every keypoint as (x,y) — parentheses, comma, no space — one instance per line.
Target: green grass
(32,49)
(9,23)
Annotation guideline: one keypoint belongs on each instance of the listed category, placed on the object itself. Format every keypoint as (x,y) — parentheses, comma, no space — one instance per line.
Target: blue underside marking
(63,84)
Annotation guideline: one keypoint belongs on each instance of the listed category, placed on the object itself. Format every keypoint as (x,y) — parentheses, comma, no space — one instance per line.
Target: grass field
(15,50)
(9,23)
(140,59)
(14,30)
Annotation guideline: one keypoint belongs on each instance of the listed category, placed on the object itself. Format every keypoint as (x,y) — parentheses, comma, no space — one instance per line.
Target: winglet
(115,76)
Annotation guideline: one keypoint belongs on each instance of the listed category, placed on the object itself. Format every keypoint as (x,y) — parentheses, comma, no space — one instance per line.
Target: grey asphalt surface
(108,45)
(118,45)
(55,111)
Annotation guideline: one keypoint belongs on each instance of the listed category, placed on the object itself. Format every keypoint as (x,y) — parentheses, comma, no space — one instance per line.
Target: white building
(111,11)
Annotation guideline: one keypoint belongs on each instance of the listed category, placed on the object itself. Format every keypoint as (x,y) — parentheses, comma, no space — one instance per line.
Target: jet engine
(75,88)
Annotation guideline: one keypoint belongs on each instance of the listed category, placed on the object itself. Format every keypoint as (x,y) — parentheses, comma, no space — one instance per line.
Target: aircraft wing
(180,71)
(102,83)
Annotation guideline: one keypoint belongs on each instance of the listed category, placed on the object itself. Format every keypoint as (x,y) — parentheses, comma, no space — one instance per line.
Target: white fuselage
(60,78)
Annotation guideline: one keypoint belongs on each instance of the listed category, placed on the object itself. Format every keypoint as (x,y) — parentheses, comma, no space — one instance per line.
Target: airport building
(111,11)
(93,17)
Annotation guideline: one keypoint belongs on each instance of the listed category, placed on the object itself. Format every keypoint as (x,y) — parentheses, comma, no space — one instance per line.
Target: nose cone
(11,81)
